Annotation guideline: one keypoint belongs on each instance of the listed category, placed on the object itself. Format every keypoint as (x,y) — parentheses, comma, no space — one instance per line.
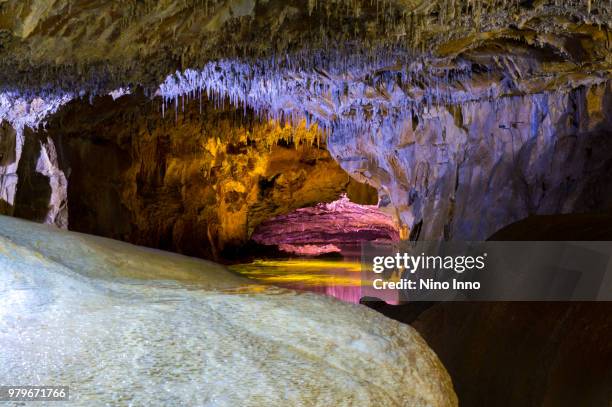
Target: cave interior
(276,136)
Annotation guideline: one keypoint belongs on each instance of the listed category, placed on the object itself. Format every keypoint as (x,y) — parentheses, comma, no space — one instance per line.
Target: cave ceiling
(376,76)
(346,64)
(100,44)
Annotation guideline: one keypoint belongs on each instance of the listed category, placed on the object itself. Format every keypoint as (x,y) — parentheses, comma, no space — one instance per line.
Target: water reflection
(336,278)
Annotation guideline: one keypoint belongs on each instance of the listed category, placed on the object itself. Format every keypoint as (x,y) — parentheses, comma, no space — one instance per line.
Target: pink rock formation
(324,227)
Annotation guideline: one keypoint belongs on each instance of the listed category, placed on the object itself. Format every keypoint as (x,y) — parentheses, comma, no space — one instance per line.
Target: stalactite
(289,83)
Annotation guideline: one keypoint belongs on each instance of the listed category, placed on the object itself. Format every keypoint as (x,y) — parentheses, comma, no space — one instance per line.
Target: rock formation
(465,115)
(198,183)
(101,44)
(463,172)
(120,322)
(553,354)
(426,101)
(327,228)
(42,196)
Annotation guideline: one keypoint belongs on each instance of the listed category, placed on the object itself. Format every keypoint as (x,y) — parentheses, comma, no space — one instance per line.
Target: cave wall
(32,186)
(512,70)
(42,187)
(465,171)
(524,354)
(104,45)
(196,182)
(442,106)
(327,228)
(191,181)
(10,151)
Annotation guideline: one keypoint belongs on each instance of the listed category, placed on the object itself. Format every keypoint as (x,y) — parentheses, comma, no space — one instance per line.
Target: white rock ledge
(125,325)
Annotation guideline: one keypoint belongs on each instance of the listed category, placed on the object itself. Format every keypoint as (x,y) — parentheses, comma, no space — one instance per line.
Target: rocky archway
(197,183)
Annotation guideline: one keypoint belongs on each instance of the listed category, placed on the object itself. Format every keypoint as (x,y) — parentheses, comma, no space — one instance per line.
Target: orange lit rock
(197,185)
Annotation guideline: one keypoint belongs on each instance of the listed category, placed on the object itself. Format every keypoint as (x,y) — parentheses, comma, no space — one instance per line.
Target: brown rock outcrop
(100,44)
(524,354)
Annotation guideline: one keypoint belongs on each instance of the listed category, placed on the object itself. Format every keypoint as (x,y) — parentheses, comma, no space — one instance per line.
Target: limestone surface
(464,172)
(121,324)
(452,109)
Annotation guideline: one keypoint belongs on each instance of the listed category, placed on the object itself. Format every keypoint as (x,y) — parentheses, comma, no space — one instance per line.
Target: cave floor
(125,325)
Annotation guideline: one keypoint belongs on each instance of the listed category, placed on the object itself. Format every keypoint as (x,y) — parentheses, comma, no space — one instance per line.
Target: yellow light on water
(304,272)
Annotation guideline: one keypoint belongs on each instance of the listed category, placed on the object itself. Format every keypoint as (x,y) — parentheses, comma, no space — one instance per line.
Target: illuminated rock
(370,75)
(197,186)
(324,227)
(123,324)
(463,172)
(19,114)
(101,46)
